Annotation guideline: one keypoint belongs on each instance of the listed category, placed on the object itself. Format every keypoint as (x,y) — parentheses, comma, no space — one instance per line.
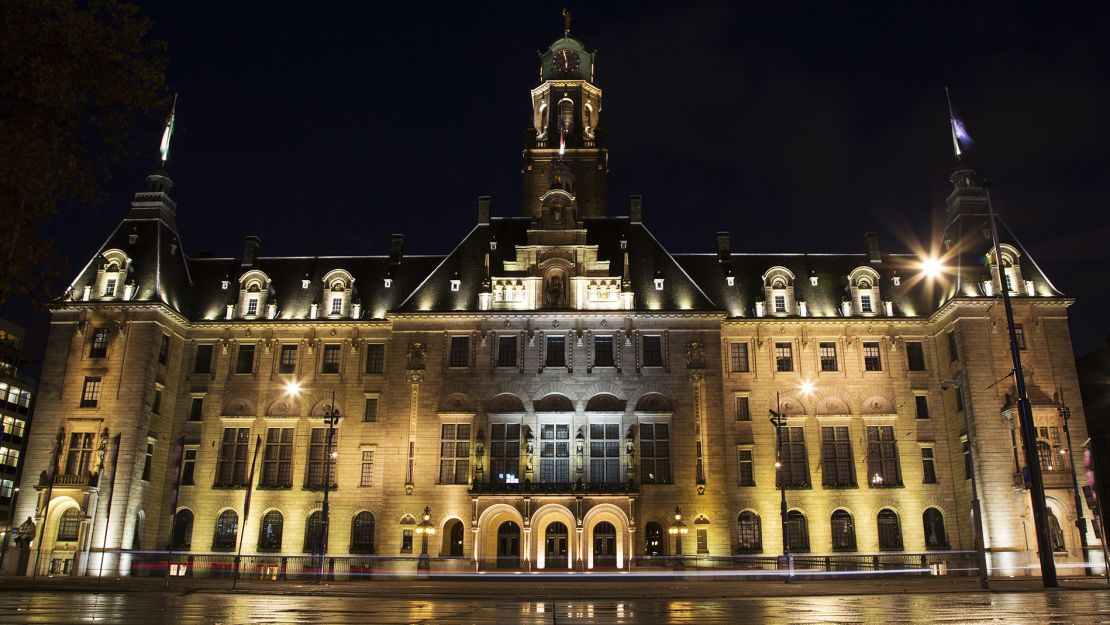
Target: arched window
(1056,533)
(183,530)
(362,533)
(890,530)
(227,526)
(749,533)
(338,291)
(269,532)
(843,531)
(797,532)
(254,285)
(864,285)
(778,287)
(653,539)
(935,536)
(314,533)
(453,534)
(69,525)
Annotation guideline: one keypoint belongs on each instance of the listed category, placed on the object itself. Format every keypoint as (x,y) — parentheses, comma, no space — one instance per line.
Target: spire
(167,133)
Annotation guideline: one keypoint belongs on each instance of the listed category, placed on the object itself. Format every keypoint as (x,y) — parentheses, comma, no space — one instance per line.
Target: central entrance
(605,545)
(556,554)
(508,545)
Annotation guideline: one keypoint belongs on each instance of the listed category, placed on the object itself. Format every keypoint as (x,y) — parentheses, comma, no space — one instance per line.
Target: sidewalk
(577,587)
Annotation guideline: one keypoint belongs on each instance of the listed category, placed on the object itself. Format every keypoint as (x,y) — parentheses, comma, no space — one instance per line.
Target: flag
(960,139)
(164,148)
(246,513)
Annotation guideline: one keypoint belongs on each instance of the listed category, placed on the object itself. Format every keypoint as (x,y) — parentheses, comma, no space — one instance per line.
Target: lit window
(784,357)
(504,452)
(780,303)
(828,356)
(871,359)
(90,394)
(865,304)
(99,346)
(252,305)
(882,457)
(336,305)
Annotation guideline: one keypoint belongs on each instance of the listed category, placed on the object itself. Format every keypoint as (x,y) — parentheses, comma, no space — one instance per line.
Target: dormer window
(778,287)
(1011,270)
(864,286)
(110,286)
(780,304)
(112,274)
(252,305)
(865,304)
(254,288)
(339,287)
(336,305)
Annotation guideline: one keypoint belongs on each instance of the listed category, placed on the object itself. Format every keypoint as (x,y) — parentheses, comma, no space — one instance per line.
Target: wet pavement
(210,607)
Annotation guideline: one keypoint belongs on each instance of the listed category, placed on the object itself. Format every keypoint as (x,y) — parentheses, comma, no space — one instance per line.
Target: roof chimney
(250,250)
(722,245)
(396,247)
(635,209)
(484,202)
(871,239)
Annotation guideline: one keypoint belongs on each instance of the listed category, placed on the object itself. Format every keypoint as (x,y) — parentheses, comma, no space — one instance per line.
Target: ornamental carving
(695,355)
(417,356)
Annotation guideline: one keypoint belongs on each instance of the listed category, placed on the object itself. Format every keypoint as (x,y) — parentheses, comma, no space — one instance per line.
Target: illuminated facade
(16,390)
(553,388)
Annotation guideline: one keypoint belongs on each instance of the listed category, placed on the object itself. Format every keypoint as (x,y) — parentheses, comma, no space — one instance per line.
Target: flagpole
(173,506)
(246,513)
(45,509)
(952,127)
(108,513)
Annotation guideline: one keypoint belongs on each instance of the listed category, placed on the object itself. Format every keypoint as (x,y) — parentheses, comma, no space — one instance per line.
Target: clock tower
(564,147)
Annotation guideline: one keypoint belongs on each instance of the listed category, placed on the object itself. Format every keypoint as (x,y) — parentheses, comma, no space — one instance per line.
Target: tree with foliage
(75,78)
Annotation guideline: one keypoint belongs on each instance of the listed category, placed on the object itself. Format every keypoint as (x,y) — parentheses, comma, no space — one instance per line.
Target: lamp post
(331,418)
(976,508)
(1080,522)
(779,421)
(425,529)
(678,529)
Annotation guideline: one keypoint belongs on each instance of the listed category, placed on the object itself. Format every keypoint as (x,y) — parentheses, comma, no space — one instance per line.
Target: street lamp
(678,529)
(1080,522)
(976,509)
(425,529)
(331,418)
(779,421)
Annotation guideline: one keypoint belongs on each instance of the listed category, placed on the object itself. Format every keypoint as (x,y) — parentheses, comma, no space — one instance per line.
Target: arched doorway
(508,545)
(453,539)
(183,530)
(605,545)
(556,543)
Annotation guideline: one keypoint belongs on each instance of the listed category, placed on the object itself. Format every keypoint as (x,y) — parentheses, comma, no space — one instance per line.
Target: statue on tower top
(566,22)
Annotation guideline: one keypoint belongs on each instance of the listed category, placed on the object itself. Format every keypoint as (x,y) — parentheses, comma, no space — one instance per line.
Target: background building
(16,390)
(554,390)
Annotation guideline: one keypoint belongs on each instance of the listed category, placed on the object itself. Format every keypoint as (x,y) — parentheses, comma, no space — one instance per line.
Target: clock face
(566,60)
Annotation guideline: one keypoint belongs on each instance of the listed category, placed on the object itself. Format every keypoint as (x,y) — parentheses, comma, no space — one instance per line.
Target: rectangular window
(9,457)
(882,457)
(780,303)
(287,361)
(164,350)
(784,357)
(871,359)
(406,541)
(743,408)
(922,404)
(747,470)
(653,351)
(703,541)
(366,475)
(336,305)
(231,467)
(203,361)
(504,452)
(252,305)
(147,461)
(99,346)
(460,352)
(156,403)
(603,351)
(13,428)
(655,453)
(277,459)
(318,454)
(110,287)
(556,355)
(953,351)
(928,466)
(506,350)
(828,356)
(959,393)
(555,453)
(1019,335)
(80,453)
(605,453)
(371,413)
(837,468)
(454,453)
(375,358)
(90,393)
(865,304)
(189,467)
(915,356)
(331,359)
(795,461)
(7,488)
(738,358)
(965,447)
(196,409)
(244,361)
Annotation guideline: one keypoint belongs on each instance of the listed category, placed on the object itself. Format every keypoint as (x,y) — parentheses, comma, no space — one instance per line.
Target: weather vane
(566,22)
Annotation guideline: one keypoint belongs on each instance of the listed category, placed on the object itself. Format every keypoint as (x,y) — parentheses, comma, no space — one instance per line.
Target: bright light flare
(932,267)
(806,388)
(293,387)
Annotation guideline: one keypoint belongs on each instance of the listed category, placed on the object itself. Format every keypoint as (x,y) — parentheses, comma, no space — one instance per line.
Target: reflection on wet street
(1059,607)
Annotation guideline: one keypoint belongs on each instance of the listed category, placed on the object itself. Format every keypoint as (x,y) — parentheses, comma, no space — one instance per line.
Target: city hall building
(558,392)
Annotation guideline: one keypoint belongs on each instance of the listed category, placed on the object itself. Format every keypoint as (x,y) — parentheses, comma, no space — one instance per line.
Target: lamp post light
(425,529)
(779,421)
(678,529)
(976,508)
(1080,522)
(331,418)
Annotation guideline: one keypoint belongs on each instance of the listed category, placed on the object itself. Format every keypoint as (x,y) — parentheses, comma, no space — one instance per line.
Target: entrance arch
(486,543)
(615,546)
(453,539)
(554,548)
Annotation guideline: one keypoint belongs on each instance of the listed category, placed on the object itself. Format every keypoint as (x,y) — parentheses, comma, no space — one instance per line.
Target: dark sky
(797,126)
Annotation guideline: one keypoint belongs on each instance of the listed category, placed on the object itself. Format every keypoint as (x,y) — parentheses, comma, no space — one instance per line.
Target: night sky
(796,126)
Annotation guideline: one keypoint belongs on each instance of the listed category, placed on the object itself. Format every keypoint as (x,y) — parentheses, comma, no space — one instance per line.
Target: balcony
(69,481)
(554,488)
